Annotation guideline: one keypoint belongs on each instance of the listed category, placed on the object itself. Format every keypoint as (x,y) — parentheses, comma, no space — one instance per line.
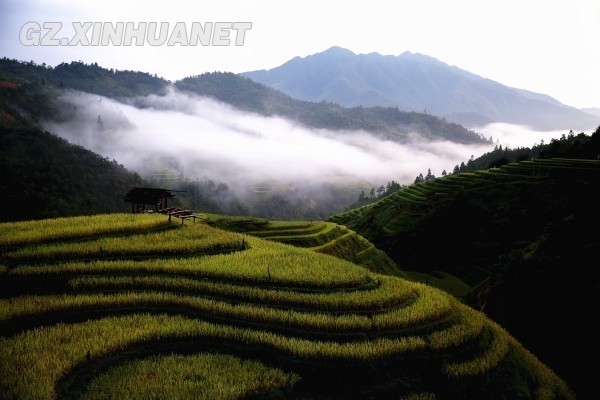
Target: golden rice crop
(312,321)
(187,239)
(32,232)
(265,285)
(33,361)
(264,262)
(198,376)
(484,362)
(391,292)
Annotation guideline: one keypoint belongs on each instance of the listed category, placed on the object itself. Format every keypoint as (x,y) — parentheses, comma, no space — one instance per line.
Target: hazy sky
(548,46)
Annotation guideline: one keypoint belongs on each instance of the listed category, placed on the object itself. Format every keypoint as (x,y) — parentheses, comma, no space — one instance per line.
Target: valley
(353,230)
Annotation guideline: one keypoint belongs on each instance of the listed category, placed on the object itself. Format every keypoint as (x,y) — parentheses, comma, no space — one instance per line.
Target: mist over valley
(180,136)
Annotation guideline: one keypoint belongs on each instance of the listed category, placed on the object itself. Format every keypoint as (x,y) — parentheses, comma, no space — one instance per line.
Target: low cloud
(518,135)
(205,139)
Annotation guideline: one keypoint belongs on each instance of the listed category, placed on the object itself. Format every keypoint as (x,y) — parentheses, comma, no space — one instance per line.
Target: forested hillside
(89,78)
(518,233)
(45,176)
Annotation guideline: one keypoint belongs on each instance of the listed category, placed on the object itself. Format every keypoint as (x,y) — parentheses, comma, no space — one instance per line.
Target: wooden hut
(140,197)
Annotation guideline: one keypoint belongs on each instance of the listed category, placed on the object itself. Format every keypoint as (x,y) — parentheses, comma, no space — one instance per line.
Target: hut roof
(147,195)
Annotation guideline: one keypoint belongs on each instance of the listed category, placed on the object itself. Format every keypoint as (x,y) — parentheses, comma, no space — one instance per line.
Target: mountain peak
(333,52)
(414,82)
(338,50)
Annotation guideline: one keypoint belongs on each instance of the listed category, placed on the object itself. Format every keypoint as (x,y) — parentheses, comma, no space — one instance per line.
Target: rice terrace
(130,305)
(285,200)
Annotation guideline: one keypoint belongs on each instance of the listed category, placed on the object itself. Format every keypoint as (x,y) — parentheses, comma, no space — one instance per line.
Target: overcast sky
(547,46)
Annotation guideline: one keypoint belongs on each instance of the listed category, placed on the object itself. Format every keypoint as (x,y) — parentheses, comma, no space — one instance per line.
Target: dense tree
(429,176)
(382,191)
(361,196)
(44,176)
(85,77)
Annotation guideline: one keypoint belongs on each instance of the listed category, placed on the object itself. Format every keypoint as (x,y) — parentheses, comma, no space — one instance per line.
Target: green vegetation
(268,319)
(263,265)
(389,293)
(36,232)
(517,234)
(196,239)
(39,169)
(321,237)
(375,195)
(85,77)
(186,377)
(489,210)
(90,304)
(441,280)
(44,176)
(427,308)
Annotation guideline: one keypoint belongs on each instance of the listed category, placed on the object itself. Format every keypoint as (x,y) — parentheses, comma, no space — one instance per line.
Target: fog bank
(205,139)
(520,136)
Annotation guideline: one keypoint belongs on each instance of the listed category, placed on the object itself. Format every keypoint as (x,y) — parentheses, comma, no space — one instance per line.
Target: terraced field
(401,216)
(425,194)
(319,236)
(159,310)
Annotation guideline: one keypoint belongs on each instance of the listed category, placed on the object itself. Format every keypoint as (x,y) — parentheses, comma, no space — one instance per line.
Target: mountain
(592,110)
(390,122)
(31,93)
(89,78)
(239,92)
(44,176)
(416,82)
(518,234)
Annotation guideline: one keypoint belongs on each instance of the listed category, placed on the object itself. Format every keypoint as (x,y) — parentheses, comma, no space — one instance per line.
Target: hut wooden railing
(182,214)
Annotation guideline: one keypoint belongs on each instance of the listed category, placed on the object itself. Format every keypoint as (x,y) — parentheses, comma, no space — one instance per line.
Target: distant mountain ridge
(592,111)
(389,122)
(416,82)
(242,93)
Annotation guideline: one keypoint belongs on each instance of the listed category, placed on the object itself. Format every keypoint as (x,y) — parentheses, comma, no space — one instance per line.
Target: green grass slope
(322,237)
(518,233)
(141,306)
